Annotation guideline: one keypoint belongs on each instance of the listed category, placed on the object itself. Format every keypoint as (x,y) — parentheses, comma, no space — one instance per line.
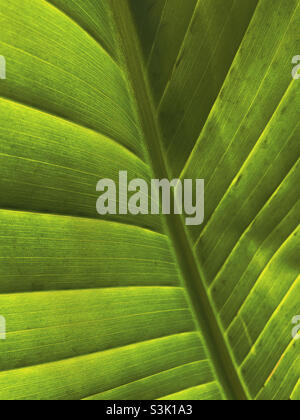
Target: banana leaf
(143,307)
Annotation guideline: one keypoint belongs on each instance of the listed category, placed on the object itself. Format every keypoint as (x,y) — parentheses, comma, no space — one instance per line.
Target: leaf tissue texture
(143,307)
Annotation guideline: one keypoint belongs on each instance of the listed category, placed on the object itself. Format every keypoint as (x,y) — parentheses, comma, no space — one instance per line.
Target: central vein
(194,282)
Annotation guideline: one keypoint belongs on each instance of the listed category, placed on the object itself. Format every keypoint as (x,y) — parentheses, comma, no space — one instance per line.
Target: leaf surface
(142,307)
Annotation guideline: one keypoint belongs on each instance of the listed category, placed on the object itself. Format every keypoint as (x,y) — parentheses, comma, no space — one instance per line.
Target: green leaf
(142,307)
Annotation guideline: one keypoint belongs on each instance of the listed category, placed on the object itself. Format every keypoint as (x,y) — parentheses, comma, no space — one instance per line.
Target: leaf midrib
(194,281)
